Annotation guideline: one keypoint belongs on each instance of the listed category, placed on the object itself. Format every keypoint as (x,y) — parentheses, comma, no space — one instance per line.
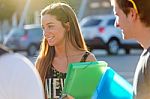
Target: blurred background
(11,11)
(20,31)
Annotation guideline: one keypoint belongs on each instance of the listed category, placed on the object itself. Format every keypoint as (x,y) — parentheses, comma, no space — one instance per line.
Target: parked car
(24,39)
(99,33)
(130,44)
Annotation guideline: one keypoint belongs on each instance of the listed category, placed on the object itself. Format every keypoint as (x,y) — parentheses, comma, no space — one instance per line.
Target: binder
(82,78)
(113,86)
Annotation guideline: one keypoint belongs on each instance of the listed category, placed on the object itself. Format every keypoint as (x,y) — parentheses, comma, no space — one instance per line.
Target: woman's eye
(50,26)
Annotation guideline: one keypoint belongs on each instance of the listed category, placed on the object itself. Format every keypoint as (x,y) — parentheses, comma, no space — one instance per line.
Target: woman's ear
(67,26)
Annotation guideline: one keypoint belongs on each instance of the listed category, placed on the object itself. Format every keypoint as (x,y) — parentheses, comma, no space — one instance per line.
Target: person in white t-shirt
(19,78)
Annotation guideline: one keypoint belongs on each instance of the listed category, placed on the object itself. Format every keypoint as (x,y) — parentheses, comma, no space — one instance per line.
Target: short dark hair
(143,7)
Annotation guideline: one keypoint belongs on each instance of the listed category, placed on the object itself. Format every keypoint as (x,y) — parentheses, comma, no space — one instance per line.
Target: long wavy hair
(64,13)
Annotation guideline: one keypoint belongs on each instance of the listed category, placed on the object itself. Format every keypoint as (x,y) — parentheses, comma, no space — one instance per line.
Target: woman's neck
(63,50)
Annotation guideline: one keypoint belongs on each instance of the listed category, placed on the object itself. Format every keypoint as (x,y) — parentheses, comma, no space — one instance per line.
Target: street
(123,64)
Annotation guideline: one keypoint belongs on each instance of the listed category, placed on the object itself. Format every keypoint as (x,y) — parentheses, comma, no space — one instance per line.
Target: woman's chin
(51,44)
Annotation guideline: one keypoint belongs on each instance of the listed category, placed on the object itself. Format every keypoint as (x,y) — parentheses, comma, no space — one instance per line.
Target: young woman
(62,44)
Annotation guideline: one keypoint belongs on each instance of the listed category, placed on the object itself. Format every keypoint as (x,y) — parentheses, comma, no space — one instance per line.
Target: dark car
(25,39)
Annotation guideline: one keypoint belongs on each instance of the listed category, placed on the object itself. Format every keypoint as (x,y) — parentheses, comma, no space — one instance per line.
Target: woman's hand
(67,97)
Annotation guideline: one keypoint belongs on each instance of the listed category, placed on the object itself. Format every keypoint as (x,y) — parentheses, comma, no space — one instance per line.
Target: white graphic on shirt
(56,86)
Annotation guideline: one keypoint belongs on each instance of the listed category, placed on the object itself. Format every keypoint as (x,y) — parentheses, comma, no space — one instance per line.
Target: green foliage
(7,8)
(75,4)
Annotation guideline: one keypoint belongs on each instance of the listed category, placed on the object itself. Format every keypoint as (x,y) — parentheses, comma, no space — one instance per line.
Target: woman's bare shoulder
(91,57)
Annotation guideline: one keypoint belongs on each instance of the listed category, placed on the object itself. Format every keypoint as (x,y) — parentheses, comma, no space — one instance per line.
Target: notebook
(82,78)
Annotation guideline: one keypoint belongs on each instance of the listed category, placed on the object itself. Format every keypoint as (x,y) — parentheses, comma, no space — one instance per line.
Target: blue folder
(113,86)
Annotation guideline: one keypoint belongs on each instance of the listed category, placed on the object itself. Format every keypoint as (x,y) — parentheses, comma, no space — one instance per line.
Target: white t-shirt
(19,78)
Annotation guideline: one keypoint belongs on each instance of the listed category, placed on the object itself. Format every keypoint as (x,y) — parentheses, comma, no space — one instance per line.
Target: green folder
(82,78)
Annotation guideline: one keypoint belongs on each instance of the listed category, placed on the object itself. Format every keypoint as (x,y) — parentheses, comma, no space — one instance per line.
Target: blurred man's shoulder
(19,78)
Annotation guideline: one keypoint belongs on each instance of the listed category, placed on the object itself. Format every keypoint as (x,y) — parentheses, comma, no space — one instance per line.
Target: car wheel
(32,50)
(113,47)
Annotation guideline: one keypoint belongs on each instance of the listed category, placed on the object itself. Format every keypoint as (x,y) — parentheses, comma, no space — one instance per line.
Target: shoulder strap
(84,57)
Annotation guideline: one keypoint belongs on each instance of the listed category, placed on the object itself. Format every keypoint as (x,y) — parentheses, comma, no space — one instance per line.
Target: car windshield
(111,22)
(91,22)
(18,33)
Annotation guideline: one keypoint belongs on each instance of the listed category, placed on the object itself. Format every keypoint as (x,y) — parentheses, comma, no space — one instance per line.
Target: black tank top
(55,81)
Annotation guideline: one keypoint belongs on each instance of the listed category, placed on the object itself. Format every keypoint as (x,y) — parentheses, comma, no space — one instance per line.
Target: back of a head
(19,78)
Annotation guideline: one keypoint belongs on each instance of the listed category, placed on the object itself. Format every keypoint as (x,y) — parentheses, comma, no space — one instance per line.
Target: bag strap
(84,57)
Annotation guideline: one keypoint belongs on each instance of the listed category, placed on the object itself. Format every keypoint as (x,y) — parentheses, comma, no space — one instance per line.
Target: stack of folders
(82,78)
(95,80)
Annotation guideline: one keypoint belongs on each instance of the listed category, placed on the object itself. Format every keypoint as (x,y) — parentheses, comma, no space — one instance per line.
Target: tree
(7,8)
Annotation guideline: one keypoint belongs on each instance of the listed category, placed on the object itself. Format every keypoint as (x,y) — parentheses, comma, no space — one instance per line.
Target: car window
(35,32)
(111,22)
(18,33)
(91,22)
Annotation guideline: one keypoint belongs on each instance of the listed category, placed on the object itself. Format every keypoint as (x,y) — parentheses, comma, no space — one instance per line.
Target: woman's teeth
(50,38)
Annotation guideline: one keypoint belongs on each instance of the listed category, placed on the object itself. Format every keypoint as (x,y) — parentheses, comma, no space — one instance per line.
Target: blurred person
(62,44)
(133,17)
(19,79)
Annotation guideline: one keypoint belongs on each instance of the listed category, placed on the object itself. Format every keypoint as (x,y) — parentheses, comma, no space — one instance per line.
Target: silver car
(99,33)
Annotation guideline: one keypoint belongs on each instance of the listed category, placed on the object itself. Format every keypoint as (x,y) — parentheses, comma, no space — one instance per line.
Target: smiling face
(123,21)
(53,30)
